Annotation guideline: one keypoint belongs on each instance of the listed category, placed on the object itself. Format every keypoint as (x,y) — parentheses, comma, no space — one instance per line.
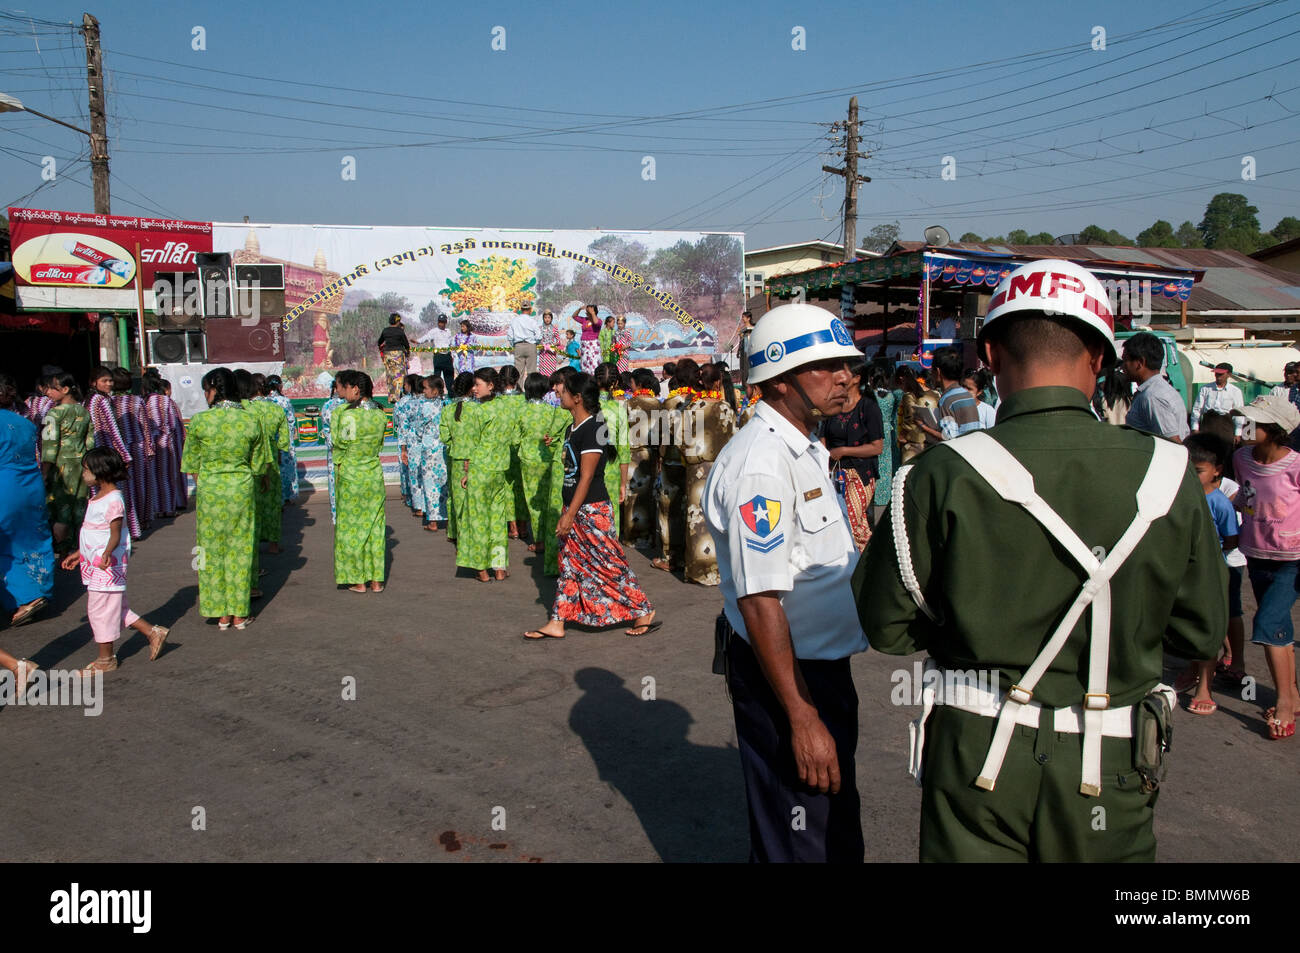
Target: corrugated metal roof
(1232,282)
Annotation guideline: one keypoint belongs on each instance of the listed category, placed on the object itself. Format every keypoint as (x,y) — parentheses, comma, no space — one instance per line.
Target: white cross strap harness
(1005,474)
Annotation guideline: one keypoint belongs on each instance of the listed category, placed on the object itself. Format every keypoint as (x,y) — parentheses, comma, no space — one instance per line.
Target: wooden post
(98,124)
(1182,314)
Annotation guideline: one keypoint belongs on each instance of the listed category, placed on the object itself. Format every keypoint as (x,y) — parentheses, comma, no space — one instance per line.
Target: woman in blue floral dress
(288,458)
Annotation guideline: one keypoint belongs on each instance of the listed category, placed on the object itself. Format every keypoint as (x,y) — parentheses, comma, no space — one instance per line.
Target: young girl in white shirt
(102,555)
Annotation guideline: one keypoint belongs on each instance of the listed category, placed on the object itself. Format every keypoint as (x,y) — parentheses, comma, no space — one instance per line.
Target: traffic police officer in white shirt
(786,557)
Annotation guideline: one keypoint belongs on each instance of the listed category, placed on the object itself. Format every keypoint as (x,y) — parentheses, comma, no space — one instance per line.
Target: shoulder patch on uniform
(761,515)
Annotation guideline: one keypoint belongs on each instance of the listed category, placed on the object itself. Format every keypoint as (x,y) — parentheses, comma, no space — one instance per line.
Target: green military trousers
(1035,811)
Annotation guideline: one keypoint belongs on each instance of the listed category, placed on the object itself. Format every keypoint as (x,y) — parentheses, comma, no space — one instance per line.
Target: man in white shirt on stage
(525,332)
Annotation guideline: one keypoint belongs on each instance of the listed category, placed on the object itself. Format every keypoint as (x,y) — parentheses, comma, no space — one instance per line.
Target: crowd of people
(578,463)
(81,480)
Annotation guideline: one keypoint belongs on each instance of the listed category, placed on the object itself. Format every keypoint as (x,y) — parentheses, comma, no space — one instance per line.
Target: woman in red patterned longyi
(596,586)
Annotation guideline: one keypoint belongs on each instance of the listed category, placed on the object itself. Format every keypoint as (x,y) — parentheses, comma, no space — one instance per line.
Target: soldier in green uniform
(1044,565)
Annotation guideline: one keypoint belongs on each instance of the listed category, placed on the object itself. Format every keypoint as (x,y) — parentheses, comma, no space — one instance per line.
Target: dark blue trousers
(788,821)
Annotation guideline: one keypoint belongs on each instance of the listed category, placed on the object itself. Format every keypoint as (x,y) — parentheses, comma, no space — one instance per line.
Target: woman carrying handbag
(855,438)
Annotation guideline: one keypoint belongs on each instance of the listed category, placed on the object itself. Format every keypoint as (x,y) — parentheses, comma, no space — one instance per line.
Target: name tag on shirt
(812,495)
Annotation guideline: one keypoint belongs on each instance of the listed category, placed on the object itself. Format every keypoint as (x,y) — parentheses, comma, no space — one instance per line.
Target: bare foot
(552,630)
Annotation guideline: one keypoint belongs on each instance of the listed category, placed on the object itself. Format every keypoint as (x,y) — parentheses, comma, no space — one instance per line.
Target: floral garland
(464,349)
(618,394)
(644,392)
(708,395)
(682,392)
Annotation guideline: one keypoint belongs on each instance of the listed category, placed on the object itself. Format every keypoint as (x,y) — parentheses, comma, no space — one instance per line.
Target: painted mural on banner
(679,291)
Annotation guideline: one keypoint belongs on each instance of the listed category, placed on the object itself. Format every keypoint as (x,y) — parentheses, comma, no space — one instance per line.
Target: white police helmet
(1058,289)
(792,335)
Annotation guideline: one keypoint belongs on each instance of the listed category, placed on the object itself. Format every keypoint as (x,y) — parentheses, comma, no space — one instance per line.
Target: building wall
(1288,261)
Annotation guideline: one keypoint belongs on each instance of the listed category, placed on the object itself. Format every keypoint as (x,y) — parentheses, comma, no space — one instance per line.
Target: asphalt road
(464,743)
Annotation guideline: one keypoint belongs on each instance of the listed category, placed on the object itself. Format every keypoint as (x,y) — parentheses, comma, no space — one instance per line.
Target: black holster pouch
(1153,732)
(721,633)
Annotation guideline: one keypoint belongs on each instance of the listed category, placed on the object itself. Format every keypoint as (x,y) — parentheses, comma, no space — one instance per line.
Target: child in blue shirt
(573,350)
(1208,455)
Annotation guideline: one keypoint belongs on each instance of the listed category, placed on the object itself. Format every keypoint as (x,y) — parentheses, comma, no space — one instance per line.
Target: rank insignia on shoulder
(811,495)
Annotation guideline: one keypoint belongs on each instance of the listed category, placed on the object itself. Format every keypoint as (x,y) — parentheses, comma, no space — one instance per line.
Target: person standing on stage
(441,339)
(785,558)
(524,334)
(395,349)
(622,345)
(588,317)
(463,346)
(360,535)
(228,455)
(550,346)
(596,586)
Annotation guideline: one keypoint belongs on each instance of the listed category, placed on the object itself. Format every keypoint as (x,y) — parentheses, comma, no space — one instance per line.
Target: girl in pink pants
(102,555)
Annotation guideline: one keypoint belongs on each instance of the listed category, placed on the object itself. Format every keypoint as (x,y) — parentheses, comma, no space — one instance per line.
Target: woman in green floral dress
(360,533)
(67,435)
(484,476)
(224,448)
(456,417)
(512,400)
(270,502)
(539,434)
(615,413)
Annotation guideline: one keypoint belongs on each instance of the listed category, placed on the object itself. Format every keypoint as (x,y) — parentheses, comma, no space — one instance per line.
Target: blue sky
(1045,133)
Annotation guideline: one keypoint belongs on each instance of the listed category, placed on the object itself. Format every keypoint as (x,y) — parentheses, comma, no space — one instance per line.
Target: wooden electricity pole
(851,180)
(98,126)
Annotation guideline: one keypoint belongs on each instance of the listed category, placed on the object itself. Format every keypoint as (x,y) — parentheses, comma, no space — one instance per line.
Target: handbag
(857,501)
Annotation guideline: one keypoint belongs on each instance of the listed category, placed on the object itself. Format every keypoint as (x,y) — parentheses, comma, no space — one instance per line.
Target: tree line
(1230,222)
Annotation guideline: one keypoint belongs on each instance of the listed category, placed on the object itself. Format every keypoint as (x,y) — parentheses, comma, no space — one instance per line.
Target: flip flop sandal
(160,633)
(537,635)
(243,625)
(1205,708)
(358,588)
(648,627)
(29,611)
(1277,731)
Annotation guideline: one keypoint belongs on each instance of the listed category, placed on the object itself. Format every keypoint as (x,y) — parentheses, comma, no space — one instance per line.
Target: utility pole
(98,126)
(851,180)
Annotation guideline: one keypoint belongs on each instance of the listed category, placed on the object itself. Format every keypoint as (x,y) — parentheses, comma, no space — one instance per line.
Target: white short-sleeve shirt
(778,525)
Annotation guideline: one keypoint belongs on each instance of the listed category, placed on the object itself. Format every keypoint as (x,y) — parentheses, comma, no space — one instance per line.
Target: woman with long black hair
(361,531)
(596,586)
(484,476)
(226,451)
(855,438)
(455,425)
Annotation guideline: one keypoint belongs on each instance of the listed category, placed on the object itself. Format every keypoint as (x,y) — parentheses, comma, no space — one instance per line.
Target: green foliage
(969,238)
(1159,235)
(1017,236)
(1230,222)
(879,239)
(1096,235)
(1286,230)
(1188,236)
